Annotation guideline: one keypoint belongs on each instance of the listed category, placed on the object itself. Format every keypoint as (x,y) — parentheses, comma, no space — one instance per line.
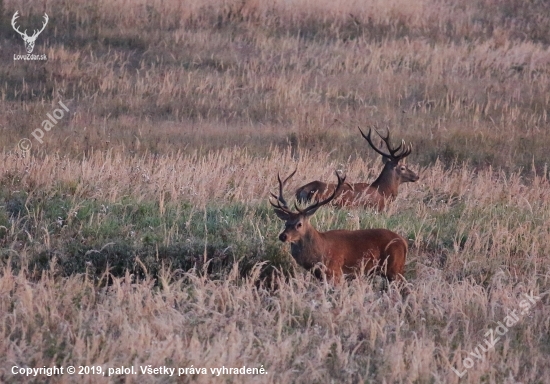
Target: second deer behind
(377,194)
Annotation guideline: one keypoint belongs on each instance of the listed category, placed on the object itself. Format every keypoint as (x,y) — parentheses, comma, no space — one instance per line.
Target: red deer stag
(339,251)
(383,189)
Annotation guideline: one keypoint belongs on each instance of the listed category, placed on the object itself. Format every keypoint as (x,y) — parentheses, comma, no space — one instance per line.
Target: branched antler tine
(37,32)
(46,18)
(278,205)
(318,204)
(280,198)
(410,148)
(281,202)
(387,137)
(289,176)
(15,17)
(369,140)
(395,150)
(392,150)
(407,149)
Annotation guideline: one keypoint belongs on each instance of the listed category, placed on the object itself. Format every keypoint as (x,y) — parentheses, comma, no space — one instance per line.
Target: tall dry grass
(139,231)
(463,80)
(479,241)
(304,332)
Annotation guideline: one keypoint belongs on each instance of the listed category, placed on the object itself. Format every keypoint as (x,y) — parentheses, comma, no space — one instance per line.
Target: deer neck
(309,250)
(387,182)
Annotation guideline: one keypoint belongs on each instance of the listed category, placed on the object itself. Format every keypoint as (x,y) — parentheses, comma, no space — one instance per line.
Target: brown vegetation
(135,234)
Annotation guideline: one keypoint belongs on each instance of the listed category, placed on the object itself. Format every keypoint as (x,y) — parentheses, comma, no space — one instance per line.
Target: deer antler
(312,208)
(393,152)
(281,202)
(36,33)
(15,17)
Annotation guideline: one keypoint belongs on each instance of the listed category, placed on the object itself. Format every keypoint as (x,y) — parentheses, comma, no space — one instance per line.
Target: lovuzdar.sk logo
(29,40)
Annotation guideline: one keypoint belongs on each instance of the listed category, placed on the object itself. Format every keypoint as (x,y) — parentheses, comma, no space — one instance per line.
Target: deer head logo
(29,40)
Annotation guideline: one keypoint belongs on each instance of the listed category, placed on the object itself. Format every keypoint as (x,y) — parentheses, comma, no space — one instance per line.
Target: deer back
(379,249)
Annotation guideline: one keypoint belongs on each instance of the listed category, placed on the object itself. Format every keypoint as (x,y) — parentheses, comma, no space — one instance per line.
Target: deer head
(297,226)
(394,159)
(29,40)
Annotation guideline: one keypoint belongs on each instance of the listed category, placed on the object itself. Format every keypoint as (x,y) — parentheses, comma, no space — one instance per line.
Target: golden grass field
(139,232)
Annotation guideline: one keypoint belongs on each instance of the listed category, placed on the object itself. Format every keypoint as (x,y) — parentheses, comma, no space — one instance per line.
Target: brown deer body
(339,251)
(383,189)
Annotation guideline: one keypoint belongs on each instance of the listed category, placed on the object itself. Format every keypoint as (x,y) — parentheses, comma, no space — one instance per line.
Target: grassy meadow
(138,233)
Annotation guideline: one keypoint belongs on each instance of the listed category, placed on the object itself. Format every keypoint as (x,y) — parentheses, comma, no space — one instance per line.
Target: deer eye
(299,225)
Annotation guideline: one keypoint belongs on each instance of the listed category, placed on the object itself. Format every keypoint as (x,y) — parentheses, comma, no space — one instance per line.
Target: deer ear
(385,160)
